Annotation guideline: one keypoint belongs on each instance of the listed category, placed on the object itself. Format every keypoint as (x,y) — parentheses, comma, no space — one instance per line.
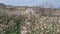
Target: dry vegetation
(30,20)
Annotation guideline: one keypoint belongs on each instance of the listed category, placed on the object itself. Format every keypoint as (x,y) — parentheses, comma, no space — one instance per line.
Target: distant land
(26,9)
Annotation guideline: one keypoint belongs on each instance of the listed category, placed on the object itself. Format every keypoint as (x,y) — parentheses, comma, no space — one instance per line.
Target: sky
(53,3)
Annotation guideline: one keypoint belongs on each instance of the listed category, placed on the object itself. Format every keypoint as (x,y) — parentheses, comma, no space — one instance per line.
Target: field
(29,20)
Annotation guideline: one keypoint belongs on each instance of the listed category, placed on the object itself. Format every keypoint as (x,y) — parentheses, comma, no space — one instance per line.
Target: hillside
(29,20)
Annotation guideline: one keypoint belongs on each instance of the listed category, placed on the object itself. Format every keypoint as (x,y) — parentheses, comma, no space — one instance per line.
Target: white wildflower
(1,29)
(58,30)
(41,22)
(23,32)
(24,28)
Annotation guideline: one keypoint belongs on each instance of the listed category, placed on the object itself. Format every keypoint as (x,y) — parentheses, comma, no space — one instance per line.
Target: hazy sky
(31,2)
